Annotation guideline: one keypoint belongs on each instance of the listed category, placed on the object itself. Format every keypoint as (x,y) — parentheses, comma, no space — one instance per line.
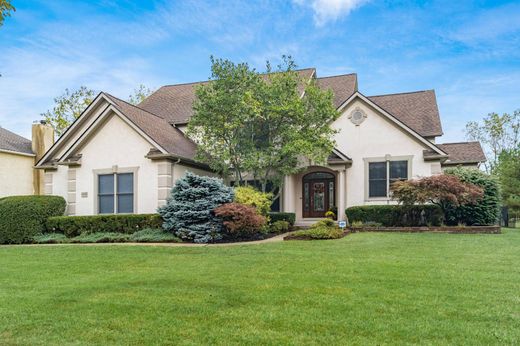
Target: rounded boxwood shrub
(280,226)
(23,217)
(281,216)
(483,212)
(188,212)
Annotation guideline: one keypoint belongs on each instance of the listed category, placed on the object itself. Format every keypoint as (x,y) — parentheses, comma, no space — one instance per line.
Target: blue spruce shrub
(188,212)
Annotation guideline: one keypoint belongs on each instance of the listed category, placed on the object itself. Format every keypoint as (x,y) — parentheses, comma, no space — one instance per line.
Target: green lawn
(367,288)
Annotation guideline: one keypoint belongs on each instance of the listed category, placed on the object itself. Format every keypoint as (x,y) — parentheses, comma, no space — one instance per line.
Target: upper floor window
(382,174)
(116,193)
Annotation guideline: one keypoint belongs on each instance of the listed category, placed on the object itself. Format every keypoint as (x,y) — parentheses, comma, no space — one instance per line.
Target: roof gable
(418,110)
(154,128)
(395,120)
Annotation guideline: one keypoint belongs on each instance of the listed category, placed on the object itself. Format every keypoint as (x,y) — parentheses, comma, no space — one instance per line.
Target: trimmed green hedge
(23,217)
(397,215)
(278,216)
(317,233)
(73,226)
(485,211)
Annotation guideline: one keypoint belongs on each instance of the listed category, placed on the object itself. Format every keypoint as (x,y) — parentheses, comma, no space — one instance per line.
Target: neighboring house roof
(156,127)
(10,141)
(463,153)
(174,102)
(342,86)
(418,110)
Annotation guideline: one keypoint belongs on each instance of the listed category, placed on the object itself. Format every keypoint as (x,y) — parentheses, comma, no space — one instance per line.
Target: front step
(305,223)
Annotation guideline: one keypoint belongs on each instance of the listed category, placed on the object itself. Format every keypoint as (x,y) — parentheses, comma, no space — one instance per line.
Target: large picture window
(116,193)
(382,174)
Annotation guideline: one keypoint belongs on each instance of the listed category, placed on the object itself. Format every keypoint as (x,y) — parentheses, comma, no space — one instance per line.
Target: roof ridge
(467,142)
(128,103)
(403,93)
(206,81)
(338,75)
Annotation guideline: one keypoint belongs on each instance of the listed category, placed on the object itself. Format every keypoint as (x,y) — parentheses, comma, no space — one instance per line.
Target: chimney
(42,140)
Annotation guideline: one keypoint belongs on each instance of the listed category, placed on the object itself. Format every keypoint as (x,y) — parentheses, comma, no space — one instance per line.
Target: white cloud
(330,10)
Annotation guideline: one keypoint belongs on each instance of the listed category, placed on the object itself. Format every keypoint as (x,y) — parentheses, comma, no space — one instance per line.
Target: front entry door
(318,194)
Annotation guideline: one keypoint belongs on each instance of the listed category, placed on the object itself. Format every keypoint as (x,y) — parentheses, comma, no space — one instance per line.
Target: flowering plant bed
(437,229)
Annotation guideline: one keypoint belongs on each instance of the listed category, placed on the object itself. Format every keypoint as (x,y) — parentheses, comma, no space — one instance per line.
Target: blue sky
(469,52)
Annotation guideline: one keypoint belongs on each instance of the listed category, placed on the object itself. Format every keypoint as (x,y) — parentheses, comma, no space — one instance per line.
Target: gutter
(16,153)
(177,159)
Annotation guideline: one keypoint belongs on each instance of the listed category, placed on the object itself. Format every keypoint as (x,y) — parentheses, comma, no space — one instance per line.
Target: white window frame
(387,159)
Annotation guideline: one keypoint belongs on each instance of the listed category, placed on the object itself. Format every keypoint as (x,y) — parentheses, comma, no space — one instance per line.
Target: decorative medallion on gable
(357,116)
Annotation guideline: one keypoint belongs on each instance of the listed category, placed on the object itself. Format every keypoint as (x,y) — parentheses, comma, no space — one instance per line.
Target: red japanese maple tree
(443,190)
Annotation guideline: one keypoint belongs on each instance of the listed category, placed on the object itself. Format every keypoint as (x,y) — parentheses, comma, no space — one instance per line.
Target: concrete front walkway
(275,239)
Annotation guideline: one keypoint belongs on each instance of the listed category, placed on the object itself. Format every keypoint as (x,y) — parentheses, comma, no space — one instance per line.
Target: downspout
(173,170)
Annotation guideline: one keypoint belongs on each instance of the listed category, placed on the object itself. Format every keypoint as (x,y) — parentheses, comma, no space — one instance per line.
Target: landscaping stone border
(434,229)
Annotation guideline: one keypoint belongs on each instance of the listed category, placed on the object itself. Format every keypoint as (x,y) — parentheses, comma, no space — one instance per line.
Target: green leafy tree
(484,211)
(68,107)
(140,93)
(497,133)
(6,7)
(448,191)
(508,171)
(260,126)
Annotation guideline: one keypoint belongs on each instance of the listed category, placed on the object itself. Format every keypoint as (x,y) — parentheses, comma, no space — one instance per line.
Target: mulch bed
(439,229)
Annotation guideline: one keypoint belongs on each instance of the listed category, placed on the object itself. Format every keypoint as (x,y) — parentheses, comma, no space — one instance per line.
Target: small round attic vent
(357,116)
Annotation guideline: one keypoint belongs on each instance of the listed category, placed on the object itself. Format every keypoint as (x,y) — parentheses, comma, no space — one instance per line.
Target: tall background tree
(6,8)
(497,133)
(5,11)
(500,135)
(255,126)
(508,172)
(69,106)
(140,93)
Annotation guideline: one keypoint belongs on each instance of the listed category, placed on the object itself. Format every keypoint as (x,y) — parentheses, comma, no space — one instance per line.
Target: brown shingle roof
(157,128)
(342,86)
(463,152)
(12,142)
(174,102)
(418,110)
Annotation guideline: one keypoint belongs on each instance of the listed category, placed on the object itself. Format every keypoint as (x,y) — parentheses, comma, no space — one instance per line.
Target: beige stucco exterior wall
(114,146)
(376,137)
(16,174)
(180,170)
(169,172)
